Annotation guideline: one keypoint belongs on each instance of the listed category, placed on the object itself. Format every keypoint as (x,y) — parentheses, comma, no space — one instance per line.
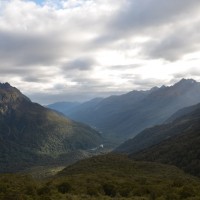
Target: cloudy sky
(74,50)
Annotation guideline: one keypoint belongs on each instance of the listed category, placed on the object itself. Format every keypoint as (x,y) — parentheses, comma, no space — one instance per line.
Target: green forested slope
(105,177)
(31,134)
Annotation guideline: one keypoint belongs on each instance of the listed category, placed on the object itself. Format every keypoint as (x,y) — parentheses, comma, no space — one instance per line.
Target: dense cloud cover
(80,49)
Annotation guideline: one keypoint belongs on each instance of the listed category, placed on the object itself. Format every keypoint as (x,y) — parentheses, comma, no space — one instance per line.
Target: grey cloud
(59,86)
(123,67)
(173,46)
(143,83)
(36,79)
(26,49)
(82,63)
(90,84)
(192,72)
(169,48)
(14,70)
(136,14)
(152,18)
(28,74)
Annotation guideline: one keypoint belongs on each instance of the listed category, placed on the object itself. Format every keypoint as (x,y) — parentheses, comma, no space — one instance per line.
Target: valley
(122,117)
(50,156)
(99,100)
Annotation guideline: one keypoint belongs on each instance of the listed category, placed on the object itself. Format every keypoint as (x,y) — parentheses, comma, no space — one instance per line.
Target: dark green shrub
(92,191)
(64,187)
(109,189)
(13,196)
(31,190)
(177,183)
(172,196)
(125,190)
(186,192)
(44,190)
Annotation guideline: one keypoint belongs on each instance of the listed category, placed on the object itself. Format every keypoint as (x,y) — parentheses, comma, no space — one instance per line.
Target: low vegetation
(105,177)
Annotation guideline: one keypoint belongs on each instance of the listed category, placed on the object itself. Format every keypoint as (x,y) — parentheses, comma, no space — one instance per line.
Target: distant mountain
(185,118)
(176,143)
(63,107)
(32,134)
(84,109)
(105,113)
(122,117)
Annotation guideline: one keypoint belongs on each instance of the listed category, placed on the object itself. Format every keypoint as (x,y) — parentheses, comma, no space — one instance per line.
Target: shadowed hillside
(176,143)
(181,150)
(31,134)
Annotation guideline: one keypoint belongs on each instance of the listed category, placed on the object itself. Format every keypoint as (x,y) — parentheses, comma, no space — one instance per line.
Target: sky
(76,50)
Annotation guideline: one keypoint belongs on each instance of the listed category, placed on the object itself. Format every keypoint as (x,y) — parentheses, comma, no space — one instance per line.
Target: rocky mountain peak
(10,97)
(186,82)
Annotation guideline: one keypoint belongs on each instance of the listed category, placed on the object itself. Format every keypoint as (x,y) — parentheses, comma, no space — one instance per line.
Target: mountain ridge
(124,116)
(176,143)
(30,131)
(156,134)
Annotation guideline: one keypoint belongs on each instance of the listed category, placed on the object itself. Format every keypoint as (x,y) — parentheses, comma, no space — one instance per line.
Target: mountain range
(33,137)
(124,116)
(31,134)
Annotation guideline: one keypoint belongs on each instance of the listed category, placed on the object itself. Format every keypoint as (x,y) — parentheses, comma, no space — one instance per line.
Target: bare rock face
(10,97)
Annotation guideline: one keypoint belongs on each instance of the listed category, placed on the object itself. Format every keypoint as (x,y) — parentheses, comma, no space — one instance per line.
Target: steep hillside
(31,134)
(182,112)
(122,117)
(176,143)
(181,150)
(182,125)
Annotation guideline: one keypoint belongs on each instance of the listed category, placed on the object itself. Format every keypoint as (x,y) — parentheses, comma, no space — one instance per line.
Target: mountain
(181,150)
(63,107)
(154,135)
(103,113)
(182,112)
(83,110)
(176,143)
(122,117)
(31,134)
